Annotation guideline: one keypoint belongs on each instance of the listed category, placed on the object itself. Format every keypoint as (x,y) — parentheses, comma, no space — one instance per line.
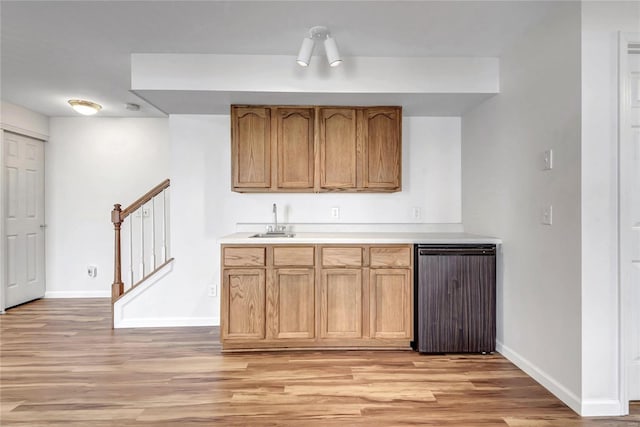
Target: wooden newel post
(117,288)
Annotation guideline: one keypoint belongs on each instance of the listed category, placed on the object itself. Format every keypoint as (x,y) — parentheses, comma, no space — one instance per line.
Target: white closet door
(24,216)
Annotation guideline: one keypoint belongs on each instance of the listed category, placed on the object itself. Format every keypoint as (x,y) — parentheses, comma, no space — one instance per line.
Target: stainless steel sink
(268,235)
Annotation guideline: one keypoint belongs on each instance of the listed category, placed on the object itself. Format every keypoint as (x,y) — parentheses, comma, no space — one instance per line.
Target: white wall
(601,22)
(15,119)
(92,163)
(505,190)
(203,207)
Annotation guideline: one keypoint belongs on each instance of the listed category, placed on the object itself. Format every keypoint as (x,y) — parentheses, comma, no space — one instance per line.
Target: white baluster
(141,209)
(165,252)
(153,233)
(131,282)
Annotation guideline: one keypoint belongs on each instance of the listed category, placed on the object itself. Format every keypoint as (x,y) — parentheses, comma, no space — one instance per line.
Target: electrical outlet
(547,215)
(415,213)
(335,213)
(213,291)
(92,271)
(145,212)
(548,159)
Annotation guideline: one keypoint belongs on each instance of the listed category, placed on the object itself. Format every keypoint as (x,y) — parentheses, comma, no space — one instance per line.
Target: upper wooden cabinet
(360,149)
(338,148)
(294,147)
(272,148)
(251,148)
(304,149)
(381,148)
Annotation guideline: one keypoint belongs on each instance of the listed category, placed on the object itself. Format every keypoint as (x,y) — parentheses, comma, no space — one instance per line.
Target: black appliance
(455,298)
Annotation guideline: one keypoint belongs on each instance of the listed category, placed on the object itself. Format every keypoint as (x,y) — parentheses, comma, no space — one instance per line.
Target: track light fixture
(308,43)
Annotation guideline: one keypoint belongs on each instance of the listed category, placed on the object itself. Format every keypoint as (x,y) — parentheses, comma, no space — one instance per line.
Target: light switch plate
(548,159)
(547,215)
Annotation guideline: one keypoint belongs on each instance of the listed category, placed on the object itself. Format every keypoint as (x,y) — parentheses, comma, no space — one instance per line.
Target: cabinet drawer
(342,257)
(293,256)
(236,257)
(390,256)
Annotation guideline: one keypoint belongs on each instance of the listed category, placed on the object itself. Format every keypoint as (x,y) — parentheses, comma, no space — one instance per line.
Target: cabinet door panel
(390,303)
(292,304)
(295,130)
(382,148)
(341,303)
(244,304)
(338,148)
(251,147)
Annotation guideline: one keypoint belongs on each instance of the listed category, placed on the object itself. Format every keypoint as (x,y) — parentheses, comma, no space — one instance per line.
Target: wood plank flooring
(62,365)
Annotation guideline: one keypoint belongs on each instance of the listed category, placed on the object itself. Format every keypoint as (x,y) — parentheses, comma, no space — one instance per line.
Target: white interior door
(24,218)
(630,214)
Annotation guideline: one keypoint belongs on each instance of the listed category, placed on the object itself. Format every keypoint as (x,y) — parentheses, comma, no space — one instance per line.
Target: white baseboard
(164,322)
(585,408)
(77,294)
(601,408)
(560,391)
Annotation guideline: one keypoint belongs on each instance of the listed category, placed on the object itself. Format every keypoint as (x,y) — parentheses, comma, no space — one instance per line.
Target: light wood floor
(61,364)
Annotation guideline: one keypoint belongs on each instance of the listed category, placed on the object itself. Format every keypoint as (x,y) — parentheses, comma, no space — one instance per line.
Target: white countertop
(359,237)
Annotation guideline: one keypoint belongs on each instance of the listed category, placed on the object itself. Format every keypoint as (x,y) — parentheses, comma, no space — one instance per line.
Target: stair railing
(146,237)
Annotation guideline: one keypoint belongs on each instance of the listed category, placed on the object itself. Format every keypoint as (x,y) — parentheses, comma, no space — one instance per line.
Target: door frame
(625,178)
(3,255)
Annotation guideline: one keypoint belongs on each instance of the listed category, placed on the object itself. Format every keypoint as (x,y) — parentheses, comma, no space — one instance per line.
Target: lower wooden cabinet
(341,313)
(243,304)
(391,305)
(291,304)
(316,296)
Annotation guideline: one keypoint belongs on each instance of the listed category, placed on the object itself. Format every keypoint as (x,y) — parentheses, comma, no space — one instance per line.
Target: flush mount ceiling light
(87,108)
(330,47)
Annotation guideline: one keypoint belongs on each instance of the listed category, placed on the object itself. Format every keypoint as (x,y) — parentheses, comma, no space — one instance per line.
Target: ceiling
(52,51)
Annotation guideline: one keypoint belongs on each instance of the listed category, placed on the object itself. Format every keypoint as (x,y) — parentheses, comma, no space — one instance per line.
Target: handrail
(118,216)
(145,198)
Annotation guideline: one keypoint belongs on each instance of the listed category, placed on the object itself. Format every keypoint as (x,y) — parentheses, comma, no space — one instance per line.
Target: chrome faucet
(275,218)
(275,228)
